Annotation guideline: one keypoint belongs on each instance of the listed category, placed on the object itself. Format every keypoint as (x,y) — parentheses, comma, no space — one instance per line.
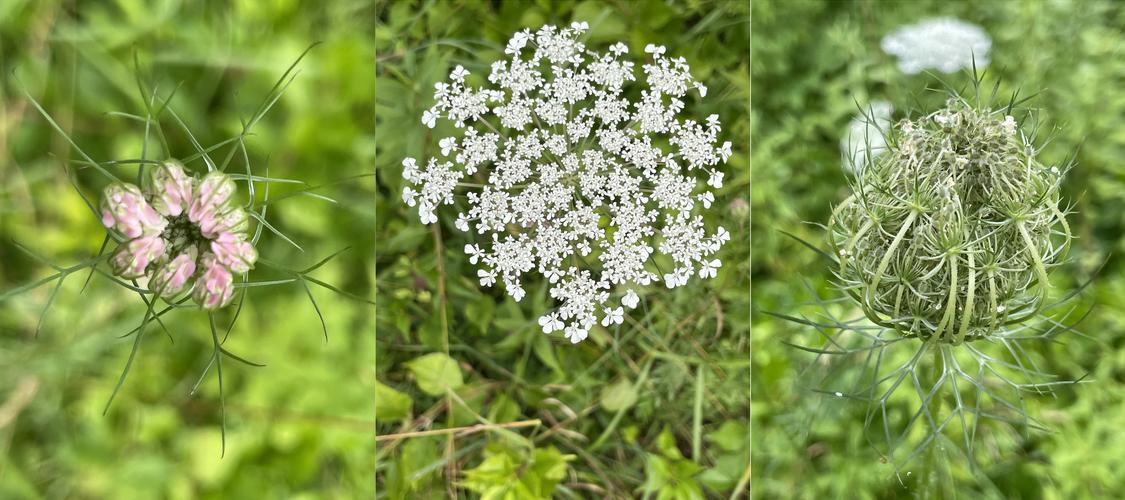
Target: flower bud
(231,220)
(124,209)
(170,189)
(215,287)
(172,278)
(133,257)
(234,252)
(211,196)
(951,229)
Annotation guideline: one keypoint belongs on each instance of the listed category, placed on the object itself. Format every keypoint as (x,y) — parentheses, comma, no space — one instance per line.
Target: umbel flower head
(180,232)
(576,181)
(945,44)
(951,234)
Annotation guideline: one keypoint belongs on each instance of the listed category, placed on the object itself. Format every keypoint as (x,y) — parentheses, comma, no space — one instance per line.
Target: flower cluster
(865,138)
(180,232)
(574,178)
(945,44)
(952,232)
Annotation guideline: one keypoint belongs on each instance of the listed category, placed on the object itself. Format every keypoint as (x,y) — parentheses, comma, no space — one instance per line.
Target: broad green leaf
(731,436)
(435,373)
(619,396)
(391,405)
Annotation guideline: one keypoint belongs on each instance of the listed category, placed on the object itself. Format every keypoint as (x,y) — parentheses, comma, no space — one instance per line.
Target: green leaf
(508,473)
(731,436)
(619,396)
(725,474)
(435,373)
(391,405)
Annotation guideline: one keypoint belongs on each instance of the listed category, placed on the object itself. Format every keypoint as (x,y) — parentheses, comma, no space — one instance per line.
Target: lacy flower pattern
(182,233)
(570,178)
(945,44)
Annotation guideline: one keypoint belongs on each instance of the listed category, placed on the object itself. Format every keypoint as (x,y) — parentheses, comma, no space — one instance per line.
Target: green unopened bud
(951,234)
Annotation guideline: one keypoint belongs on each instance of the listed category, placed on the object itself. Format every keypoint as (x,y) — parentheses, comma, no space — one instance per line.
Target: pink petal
(171,188)
(174,276)
(132,258)
(215,287)
(124,209)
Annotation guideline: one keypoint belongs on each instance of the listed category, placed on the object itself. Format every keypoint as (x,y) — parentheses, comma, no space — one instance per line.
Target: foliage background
(658,407)
(297,428)
(812,61)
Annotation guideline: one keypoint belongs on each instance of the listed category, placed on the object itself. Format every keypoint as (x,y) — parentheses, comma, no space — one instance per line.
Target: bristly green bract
(943,252)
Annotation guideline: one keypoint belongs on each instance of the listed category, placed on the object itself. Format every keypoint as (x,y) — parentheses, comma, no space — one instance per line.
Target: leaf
(436,372)
(391,405)
(731,436)
(725,474)
(619,396)
(666,444)
(508,473)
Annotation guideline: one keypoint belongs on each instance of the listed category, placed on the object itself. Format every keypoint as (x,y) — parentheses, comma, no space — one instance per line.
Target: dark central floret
(182,233)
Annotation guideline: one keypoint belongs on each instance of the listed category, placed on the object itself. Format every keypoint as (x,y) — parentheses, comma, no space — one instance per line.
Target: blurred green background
(299,427)
(658,408)
(812,62)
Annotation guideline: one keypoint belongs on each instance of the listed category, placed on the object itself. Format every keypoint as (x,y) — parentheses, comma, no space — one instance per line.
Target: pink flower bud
(124,208)
(171,278)
(232,220)
(234,252)
(211,196)
(133,256)
(171,188)
(215,287)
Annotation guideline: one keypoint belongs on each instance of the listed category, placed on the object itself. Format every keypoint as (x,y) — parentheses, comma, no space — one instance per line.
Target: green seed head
(951,234)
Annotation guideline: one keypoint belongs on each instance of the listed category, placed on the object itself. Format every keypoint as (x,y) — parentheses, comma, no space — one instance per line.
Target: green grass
(658,407)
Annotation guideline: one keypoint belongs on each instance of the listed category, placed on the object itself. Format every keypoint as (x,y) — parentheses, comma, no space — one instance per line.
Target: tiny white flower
(580,26)
(725,151)
(1009,125)
(712,121)
(708,269)
(656,50)
(550,323)
(576,333)
(409,196)
(613,316)
(487,278)
(517,293)
(722,235)
(707,199)
(473,252)
(716,179)
(459,73)
(447,144)
(429,118)
(462,223)
(630,299)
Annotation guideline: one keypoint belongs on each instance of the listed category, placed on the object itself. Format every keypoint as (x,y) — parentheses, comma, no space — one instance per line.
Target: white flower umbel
(945,44)
(865,138)
(569,177)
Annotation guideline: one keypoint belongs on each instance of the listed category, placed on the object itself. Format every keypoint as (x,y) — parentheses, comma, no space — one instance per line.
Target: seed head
(952,232)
